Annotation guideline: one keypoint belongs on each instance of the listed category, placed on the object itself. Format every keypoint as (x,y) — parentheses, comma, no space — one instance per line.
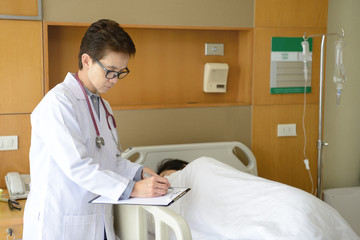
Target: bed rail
(133,220)
(223,151)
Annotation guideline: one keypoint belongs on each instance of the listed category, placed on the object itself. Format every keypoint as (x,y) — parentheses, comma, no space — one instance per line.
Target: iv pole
(320,142)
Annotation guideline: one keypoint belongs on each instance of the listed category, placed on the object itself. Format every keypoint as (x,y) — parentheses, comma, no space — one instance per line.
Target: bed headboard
(227,152)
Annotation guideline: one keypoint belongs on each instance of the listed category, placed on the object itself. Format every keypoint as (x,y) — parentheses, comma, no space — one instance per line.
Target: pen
(148,175)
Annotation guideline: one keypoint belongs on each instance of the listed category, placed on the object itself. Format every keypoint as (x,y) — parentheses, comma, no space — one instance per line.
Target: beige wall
(183,125)
(229,13)
(341,165)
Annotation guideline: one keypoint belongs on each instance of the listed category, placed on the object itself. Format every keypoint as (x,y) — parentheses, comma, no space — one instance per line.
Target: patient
(225,203)
(169,166)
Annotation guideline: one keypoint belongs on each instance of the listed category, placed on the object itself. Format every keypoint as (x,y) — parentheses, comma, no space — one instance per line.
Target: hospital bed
(225,203)
(131,222)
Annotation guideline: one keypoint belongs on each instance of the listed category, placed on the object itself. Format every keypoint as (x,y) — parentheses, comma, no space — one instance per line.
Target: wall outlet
(286,130)
(8,143)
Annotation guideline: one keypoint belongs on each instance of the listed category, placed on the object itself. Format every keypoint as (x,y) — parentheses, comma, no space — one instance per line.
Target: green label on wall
(288,44)
(287,66)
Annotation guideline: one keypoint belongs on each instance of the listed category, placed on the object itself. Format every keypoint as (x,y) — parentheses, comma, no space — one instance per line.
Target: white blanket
(225,203)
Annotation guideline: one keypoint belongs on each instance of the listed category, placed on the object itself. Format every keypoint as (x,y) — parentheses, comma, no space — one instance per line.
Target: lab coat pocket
(79,227)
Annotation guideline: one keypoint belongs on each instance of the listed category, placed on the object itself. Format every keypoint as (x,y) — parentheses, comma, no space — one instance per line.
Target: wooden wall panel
(19,7)
(281,158)
(293,13)
(15,160)
(262,54)
(168,67)
(21,69)
(62,52)
(246,45)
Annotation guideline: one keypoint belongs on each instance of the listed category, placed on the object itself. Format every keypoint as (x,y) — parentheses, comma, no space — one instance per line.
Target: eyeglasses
(13,204)
(112,74)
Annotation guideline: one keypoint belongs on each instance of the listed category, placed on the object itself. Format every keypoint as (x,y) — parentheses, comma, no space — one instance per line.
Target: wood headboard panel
(167,69)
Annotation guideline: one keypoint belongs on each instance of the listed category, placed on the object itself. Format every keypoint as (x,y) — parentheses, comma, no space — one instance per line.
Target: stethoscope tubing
(88,104)
(99,140)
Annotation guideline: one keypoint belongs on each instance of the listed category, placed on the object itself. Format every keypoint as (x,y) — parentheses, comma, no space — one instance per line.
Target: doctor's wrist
(128,190)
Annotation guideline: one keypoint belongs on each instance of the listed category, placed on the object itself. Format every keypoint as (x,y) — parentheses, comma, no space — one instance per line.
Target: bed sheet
(225,203)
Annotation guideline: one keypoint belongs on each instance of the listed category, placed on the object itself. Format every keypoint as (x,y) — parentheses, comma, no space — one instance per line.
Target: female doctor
(74,154)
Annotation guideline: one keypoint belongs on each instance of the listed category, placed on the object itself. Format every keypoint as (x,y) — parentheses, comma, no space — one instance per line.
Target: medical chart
(170,197)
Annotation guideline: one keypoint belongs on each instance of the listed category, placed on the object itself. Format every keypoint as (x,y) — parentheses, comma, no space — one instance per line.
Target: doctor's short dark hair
(171,164)
(105,35)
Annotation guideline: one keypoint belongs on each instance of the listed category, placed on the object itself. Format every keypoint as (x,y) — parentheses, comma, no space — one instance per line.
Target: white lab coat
(68,170)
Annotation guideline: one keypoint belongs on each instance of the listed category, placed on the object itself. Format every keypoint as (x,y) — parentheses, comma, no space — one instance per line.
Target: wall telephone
(18,185)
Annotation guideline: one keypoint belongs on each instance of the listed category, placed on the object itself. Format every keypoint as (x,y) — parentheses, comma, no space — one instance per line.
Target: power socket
(8,143)
(286,130)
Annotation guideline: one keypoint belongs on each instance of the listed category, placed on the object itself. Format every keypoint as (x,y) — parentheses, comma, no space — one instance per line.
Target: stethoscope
(99,140)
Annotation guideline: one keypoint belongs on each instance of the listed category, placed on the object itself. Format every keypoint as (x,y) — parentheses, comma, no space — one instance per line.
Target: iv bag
(306,55)
(339,72)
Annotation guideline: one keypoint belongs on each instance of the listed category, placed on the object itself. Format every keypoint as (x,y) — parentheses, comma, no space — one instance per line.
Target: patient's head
(169,166)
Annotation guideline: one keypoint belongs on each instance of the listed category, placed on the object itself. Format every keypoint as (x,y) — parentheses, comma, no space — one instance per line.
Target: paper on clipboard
(170,197)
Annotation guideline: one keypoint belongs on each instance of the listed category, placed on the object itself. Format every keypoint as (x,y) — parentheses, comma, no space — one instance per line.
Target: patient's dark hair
(171,164)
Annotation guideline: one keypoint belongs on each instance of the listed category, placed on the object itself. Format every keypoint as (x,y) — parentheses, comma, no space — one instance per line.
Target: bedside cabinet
(11,219)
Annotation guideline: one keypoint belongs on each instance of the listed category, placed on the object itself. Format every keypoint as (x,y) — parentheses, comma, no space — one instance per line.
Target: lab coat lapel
(74,86)
(78,93)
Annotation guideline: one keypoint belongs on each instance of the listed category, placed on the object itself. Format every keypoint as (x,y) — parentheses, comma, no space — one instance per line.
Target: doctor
(74,153)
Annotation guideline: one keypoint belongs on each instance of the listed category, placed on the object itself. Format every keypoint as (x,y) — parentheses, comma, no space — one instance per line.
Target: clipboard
(170,197)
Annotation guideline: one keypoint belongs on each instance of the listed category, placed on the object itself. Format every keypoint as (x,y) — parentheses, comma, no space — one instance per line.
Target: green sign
(287,66)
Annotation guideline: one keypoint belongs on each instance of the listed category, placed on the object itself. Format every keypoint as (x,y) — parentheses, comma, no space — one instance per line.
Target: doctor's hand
(153,186)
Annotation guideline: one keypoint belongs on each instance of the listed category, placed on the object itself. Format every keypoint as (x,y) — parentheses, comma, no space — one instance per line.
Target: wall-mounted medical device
(215,77)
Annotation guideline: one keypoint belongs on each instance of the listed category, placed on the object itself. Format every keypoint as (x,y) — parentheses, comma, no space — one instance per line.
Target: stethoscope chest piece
(99,141)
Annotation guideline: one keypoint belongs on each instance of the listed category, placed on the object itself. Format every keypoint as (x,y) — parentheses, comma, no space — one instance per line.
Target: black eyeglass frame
(121,74)
(13,204)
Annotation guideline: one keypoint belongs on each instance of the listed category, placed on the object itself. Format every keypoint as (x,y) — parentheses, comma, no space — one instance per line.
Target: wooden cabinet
(293,14)
(16,229)
(20,8)
(21,82)
(11,220)
(167,70)
(21,70)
